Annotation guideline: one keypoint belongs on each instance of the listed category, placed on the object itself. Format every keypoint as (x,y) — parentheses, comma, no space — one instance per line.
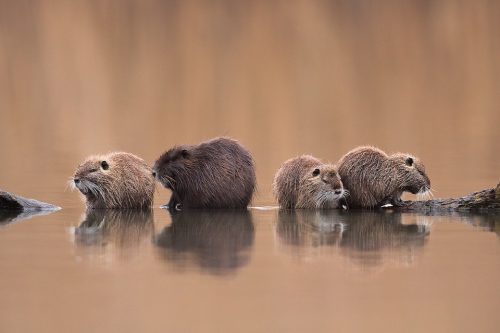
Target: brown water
(285,78)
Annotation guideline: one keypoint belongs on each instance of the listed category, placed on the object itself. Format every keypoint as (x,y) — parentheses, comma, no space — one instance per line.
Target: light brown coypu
(374,178)
(218,173)
(306,182)
(115,180)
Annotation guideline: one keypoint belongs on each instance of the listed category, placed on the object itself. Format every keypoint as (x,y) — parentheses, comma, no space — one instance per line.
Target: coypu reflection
(217,241)
(124,228)
(361,236)
(310,227)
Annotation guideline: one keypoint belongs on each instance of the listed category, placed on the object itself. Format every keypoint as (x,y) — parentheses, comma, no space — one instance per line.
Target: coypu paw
(397,202)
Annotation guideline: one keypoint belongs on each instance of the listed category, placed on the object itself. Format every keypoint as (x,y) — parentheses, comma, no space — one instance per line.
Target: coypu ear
(316,172)
(184,153)
(409,161)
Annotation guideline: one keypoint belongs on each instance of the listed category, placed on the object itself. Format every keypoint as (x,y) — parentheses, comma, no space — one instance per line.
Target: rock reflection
(13,216)
(216,241)
(368,239)
(123,229)
(310,227)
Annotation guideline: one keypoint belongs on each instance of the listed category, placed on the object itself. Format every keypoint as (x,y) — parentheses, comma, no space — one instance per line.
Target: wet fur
(295,186)
(127,183)
(374,178)
(214,174)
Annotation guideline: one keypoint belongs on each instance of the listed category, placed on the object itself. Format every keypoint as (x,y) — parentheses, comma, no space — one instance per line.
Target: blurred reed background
(284,77)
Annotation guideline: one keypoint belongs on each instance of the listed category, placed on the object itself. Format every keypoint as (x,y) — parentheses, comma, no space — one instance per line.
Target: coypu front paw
(397,202)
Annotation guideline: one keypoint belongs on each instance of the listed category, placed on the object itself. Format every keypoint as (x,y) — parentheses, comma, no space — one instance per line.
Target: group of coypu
(220,173)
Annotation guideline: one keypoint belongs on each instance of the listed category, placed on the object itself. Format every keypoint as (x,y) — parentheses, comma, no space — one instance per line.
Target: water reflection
(217,241)
(12,216)
(484,221)
(123,229)
(367,239)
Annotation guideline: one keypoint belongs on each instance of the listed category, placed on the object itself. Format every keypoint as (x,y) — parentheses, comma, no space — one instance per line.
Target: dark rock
(14,208)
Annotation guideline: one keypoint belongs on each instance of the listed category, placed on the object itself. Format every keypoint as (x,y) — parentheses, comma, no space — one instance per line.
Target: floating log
(14,208)
(483,201)
(14,202)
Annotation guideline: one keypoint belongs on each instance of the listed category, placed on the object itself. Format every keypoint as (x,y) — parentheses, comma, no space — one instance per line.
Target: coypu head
(320,187)
(116,180)
(171,165)
(410,173)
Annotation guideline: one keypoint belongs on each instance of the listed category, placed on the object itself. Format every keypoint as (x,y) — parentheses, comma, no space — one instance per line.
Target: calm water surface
(258,270)
(291,77)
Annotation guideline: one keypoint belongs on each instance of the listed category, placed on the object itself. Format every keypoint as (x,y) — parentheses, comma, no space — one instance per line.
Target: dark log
(14,208)
(482,201)
(13,202)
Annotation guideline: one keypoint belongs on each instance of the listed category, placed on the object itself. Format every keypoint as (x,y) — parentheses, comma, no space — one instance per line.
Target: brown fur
(296,186)
(126,181)
(373,178)
(218,173)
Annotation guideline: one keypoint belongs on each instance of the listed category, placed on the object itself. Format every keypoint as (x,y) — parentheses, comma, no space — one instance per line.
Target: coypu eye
(316,172)
(104,165)
(409,161)
(184,153)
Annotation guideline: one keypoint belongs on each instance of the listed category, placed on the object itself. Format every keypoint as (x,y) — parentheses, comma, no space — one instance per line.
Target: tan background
(284,77)
(79,77)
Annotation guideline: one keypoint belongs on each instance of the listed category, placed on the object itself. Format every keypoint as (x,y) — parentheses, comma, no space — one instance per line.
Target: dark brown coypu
(306,182)
(218,173)
(374,178)
(115,180)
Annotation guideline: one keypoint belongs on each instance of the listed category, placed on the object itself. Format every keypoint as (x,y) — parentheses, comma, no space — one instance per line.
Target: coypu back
(115,180)
(218,173)
(374,178)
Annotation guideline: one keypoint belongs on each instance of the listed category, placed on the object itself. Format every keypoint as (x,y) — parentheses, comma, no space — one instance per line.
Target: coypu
(218,173)
(374,179)
(306,182)
(115,180)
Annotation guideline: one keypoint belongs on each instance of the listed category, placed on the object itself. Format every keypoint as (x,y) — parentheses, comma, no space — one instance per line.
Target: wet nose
(76,180)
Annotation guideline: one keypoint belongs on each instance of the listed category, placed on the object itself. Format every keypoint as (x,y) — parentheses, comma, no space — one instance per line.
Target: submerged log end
(12,202)
(483,201)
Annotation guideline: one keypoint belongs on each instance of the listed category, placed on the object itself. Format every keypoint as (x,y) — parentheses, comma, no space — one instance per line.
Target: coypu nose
(76,180)
(337,191)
